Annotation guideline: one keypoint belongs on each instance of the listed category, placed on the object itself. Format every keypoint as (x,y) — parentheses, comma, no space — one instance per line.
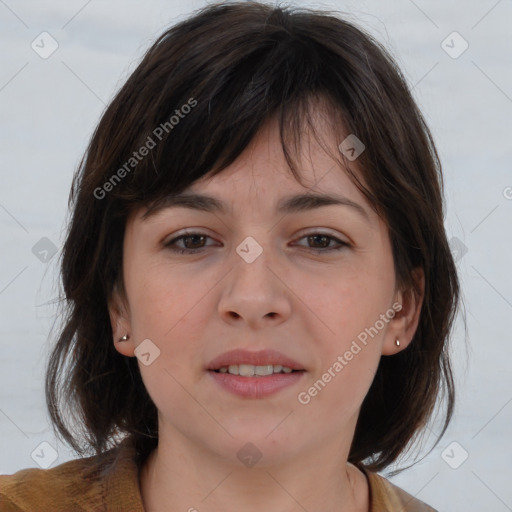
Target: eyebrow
(292,204)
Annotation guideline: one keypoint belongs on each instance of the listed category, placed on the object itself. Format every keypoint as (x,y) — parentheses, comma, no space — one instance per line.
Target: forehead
(261,176)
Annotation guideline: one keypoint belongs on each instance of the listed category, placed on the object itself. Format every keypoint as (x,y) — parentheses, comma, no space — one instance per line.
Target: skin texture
(196,307)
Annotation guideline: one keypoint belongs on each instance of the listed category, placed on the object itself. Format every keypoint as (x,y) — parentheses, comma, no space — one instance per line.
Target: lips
(253,375)
(249,370)
(261,358)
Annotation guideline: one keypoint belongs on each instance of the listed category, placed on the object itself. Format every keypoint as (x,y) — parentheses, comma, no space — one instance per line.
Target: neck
(177,476)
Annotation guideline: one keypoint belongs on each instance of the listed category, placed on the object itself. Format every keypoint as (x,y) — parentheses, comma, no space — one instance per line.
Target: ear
(120,321)
(405,322)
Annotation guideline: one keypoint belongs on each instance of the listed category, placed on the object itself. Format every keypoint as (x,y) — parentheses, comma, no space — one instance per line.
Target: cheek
(350,351)
(162,310)
(169,308)
(347,299)
(349,336)
(158,296)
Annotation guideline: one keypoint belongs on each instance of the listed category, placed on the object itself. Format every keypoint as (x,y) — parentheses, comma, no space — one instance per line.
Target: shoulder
(38,489)
(84,485)
(385,496)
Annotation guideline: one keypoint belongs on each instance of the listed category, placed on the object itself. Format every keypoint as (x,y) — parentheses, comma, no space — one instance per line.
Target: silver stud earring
(397,342)
(124,338)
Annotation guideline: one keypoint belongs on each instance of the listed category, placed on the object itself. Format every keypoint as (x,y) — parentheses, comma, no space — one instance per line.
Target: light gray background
(49,108)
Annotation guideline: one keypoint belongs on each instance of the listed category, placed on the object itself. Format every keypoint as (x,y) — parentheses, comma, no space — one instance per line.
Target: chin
(267,440)
(259,453)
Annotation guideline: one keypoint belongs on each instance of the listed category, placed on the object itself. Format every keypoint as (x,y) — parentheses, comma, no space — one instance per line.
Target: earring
(124,338)
(397,342)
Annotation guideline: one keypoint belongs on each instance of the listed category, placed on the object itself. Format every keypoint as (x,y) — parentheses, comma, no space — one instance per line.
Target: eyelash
(193,251)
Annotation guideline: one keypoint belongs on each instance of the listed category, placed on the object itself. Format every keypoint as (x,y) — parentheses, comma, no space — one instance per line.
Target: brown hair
(236,66)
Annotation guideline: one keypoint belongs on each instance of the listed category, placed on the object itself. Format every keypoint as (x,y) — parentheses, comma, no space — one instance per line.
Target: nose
(255,293)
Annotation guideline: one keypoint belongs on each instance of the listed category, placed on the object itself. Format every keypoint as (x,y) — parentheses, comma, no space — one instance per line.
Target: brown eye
(321,242)
(193,242)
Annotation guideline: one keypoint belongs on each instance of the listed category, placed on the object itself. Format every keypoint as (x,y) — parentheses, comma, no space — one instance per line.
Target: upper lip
(259,358)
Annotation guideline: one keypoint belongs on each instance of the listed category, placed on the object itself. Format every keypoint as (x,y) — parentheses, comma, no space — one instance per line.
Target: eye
(195,241)
(324,239)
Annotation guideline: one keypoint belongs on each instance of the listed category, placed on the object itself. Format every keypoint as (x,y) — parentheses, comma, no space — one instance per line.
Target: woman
(259,286)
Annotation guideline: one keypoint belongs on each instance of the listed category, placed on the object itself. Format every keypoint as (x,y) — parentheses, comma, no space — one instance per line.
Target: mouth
(254,364)
(250,370)
(255,374)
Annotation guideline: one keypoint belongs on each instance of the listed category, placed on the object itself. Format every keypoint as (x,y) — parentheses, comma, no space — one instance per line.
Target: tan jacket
(70,488)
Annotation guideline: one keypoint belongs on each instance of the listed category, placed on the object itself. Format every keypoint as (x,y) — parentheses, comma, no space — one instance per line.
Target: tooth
(246,370)
(249,370)
(268,369)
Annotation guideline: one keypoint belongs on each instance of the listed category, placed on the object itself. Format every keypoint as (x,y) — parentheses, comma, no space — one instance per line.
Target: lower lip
(255,387)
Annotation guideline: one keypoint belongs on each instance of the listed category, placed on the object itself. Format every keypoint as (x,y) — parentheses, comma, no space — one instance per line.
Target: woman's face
(310,287)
